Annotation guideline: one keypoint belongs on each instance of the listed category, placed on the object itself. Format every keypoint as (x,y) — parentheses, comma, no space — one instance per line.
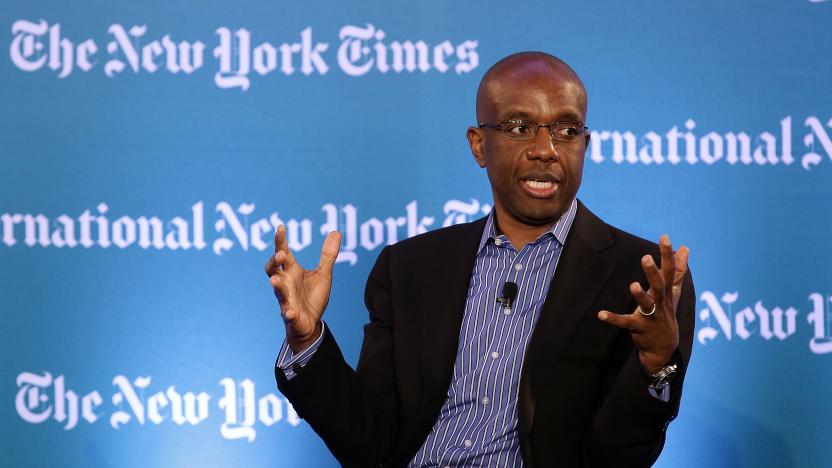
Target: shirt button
(495,355)
(498,242)
(468,443)
(518,267)
(506,311)
(484,400)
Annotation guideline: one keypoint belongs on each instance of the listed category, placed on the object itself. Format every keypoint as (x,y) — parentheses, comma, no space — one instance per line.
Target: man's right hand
(302,294)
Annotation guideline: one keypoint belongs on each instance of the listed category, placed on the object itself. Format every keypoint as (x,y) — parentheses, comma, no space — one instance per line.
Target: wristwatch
(663,377)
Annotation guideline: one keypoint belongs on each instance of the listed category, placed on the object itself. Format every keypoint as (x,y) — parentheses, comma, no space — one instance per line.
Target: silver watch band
(663,377)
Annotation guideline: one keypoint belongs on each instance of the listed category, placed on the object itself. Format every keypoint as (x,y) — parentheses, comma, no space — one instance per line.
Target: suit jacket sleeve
(354,412)
(629,427)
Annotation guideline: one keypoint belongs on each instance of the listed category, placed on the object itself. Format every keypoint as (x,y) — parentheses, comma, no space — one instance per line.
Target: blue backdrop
(149,149)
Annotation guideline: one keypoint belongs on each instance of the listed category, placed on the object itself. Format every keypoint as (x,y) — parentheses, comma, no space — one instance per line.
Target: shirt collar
(559,230)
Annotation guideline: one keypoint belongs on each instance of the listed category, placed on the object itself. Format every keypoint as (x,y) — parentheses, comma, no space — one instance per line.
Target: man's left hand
(653,324)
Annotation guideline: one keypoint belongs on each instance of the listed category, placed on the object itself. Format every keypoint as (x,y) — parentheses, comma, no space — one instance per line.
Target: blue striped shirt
(478,423)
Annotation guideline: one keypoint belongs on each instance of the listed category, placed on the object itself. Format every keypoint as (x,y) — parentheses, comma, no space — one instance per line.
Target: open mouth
(539,184)
(540,187)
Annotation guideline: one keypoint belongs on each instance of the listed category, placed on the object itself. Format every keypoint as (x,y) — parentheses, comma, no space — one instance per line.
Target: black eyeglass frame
(504,128)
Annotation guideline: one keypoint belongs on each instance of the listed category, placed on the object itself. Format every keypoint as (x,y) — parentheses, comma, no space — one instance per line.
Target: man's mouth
(540,188)
(539,184)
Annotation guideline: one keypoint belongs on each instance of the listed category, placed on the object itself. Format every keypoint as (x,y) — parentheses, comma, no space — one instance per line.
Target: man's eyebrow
(518,115)
(567,116)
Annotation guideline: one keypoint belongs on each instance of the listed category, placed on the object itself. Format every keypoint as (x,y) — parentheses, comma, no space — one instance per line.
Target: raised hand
(302,294)
(653,324)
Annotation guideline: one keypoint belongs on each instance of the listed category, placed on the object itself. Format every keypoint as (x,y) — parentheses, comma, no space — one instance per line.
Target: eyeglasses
(527,130)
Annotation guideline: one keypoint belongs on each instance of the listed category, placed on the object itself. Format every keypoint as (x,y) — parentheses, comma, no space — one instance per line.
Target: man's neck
(518,233)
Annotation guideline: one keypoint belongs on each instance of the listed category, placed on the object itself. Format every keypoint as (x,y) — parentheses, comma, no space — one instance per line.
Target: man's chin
(534,212)
(541,218)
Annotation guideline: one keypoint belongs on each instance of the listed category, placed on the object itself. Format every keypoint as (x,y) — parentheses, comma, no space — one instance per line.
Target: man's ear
(475,141)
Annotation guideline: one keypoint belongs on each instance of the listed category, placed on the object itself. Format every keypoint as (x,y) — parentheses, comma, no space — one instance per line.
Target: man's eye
(519,129)
(568,131)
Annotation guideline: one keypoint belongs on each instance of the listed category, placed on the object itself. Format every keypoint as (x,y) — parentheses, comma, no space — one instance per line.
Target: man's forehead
(535,85)
(526,96)
(530,83)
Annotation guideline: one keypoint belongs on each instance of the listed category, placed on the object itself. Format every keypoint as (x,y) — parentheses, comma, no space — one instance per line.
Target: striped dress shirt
(478,424)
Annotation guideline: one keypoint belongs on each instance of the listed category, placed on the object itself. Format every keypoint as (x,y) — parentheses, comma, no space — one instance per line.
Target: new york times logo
(238,227)
(362,50)
(686,145)
(41,397)
(724,317)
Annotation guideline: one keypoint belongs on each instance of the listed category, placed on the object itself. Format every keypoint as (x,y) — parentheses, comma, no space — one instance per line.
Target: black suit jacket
(583,397)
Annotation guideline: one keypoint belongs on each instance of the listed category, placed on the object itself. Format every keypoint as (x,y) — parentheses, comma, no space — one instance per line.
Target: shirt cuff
(663,394)
(291,363)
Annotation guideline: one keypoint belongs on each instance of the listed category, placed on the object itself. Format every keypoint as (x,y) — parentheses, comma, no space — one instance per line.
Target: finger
(287,314)
(667,259)
(642,297)
(277,234)
(281,261)
(654,277)
(275,263)
(271,266)
(282,245)
(329,252)
(626,322)
(281,290)
(680,259)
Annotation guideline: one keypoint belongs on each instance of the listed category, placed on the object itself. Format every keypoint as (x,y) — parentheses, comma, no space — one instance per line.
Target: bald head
(517,69)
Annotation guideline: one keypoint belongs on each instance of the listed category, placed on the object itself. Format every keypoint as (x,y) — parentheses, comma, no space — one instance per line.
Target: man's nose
(543,145)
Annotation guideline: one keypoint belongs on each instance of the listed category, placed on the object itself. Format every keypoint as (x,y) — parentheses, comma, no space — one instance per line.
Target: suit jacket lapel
(446,288)
(581,273)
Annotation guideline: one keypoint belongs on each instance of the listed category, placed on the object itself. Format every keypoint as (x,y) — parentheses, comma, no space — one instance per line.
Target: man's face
(533,181)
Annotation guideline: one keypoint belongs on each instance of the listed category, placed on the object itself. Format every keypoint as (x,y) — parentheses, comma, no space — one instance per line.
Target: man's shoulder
(450,237)
(431,250)
(621,241)
(628,240)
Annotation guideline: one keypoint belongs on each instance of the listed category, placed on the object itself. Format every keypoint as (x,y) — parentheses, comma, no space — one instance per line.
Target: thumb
(620,321)
(329,252)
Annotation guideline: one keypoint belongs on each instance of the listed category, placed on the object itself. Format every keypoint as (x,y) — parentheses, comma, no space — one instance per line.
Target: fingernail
(602,315)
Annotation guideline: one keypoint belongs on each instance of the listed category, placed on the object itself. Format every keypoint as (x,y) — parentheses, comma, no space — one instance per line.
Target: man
(497,342)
